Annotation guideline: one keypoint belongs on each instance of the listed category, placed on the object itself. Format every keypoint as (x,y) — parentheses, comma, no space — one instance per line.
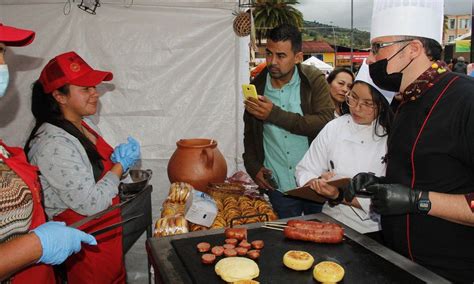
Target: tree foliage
(271,13)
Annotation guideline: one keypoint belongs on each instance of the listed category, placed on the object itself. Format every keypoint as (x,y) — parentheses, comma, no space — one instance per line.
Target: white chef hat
(364,76)
(421,18)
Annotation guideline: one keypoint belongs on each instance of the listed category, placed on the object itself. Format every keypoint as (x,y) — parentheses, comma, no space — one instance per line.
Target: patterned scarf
(424,82)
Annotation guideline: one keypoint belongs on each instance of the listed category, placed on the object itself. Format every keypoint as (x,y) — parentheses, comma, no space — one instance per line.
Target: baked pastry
(232,269)
(298,260)
(328,272)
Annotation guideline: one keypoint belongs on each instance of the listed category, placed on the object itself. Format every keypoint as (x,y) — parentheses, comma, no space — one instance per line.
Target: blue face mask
(4,78)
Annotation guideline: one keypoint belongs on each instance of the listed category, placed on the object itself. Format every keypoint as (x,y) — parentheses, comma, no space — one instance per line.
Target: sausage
(318,236)
(203,247)
(228,246)
(245,244)
(257,244)
(231,241)
(241,251)
(217,250)
(230,252)
(312,225)
(208,258)
(253,254)
(236,233)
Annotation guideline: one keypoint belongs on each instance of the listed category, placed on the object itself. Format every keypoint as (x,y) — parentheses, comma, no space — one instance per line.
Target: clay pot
(198,162)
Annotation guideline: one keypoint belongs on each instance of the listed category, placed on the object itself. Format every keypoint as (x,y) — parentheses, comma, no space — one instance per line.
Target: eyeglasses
(353,102)
(376,46)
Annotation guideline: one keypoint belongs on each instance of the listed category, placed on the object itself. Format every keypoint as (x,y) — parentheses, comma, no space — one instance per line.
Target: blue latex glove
(59,241)
(127,154)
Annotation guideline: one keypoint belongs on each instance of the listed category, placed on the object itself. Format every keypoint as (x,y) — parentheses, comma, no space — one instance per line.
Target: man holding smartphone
(293,106)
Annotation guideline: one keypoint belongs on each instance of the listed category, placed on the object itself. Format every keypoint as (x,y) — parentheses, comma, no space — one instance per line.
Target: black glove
(360,182)
(394,199)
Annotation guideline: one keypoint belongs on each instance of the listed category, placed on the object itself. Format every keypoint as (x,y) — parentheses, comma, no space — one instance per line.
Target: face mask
(389,82)
(4,77)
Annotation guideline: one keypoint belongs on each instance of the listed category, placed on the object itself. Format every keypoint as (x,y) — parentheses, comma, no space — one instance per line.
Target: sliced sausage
(253,254)
(230,252)
(208,258)
(231,241)
(203,247)
(217,250)
(228,246)
(241,251)
(257,244)
(236,233)
(245,244)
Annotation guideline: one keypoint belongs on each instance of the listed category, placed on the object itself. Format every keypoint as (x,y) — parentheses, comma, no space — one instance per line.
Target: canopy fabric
(178,71)
(321,65)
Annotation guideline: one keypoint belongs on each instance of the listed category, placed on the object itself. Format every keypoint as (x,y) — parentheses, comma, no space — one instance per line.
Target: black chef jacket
(443,161)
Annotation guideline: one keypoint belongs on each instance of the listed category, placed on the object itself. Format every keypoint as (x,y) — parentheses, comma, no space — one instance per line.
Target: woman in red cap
(27,243)
(80,172)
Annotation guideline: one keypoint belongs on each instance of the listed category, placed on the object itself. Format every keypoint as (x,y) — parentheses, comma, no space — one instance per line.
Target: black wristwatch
(424,203)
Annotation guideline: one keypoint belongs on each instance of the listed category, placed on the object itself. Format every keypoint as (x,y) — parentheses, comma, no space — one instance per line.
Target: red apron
(38,273)
(102,263)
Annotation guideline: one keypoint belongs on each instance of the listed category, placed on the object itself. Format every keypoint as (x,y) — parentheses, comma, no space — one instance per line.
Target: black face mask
(389,82)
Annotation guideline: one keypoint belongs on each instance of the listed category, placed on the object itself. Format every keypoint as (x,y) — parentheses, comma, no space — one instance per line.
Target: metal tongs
(102,213)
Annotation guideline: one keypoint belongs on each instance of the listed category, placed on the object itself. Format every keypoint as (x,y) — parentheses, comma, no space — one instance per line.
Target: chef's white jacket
(353,148)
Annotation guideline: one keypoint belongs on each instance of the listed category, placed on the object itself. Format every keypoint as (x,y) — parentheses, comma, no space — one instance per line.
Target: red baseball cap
(12,36)
(70,68)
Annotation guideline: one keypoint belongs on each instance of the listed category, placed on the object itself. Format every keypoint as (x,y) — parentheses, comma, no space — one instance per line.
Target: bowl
(140,179)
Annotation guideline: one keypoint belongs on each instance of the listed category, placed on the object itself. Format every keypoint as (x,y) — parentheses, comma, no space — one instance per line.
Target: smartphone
(249,91)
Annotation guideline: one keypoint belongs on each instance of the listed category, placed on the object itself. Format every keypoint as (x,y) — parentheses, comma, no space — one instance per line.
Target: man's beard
(278,74)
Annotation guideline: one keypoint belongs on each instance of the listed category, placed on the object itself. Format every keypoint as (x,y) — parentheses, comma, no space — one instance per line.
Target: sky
(330,13)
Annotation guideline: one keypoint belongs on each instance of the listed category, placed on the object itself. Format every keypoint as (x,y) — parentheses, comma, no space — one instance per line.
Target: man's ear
(416,49)
(299,57)
(59,97)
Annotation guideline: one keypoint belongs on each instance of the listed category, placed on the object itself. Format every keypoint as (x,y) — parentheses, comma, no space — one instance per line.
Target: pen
(332,165)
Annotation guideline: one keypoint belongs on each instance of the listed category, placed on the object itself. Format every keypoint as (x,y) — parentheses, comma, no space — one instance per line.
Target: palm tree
(271,13)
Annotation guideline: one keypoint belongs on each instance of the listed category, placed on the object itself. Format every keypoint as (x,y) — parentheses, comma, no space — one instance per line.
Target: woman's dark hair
(286,32)
(343,107)
(336,71)
(46,109)
(384,112)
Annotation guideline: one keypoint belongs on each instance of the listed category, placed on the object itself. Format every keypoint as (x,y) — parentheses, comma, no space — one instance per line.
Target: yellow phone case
(249,91)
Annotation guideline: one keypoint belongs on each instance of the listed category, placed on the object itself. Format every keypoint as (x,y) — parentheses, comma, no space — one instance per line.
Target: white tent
(321,65)
(177,65)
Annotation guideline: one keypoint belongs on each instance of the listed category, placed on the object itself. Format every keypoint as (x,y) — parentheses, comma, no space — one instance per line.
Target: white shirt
(353,148)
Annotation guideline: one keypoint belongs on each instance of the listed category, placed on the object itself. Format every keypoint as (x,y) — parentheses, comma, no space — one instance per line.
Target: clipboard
(339,181)
(305,192)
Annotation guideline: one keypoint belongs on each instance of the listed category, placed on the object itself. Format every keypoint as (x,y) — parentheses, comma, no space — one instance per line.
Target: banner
(463,45)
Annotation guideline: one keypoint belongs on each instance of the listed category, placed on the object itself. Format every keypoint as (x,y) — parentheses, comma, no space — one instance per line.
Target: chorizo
(208,258)
(245,244)
(257,244)
(317,236)
(231,241)
(236,233)
(241,251)
(253,254)
(302,224)
(203,247)
(230,252)
(228,246)
(217,250)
